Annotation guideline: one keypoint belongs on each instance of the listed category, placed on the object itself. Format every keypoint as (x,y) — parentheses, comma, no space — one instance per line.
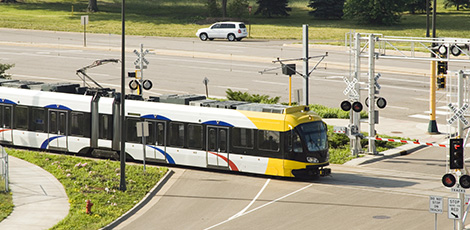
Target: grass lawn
(181,18)
(6,202)
(95,180)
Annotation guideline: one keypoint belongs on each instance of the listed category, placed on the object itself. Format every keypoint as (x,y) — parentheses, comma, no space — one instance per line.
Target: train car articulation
(278,140)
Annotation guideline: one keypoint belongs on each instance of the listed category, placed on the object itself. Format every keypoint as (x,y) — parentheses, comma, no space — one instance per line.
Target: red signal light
(448,180)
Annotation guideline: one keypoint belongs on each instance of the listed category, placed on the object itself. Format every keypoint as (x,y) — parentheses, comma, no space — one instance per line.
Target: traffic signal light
(456,157)
(442,67)
(441,82)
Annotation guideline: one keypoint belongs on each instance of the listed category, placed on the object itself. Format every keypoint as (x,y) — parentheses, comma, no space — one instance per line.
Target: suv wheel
(203,36)
(231,37)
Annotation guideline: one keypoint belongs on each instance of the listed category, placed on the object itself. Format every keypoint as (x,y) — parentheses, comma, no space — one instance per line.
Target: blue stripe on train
(168,157)
(47,141)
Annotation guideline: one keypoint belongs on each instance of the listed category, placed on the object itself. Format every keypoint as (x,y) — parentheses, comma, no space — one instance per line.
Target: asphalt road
(390,194)
(368,197)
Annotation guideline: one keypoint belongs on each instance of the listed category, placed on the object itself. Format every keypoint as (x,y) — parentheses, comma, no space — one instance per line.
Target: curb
(398,151)
(142,203)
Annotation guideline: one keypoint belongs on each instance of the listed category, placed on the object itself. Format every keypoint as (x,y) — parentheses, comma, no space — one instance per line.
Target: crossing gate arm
(409,142)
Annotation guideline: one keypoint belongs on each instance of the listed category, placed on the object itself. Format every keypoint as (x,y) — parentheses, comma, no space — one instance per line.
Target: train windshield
(314,135)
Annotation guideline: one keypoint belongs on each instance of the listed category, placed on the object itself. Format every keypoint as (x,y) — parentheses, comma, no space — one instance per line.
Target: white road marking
(229,87)
(270,82)
(421,116)
(251,203)
(397,107)
(262,206)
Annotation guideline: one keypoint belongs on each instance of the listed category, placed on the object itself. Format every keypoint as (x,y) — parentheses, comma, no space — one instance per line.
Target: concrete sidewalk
(39,198)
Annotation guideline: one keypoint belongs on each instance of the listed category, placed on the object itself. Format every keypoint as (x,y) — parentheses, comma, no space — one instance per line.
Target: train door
(58,129)
(217,146)
(6,123)
(158,139)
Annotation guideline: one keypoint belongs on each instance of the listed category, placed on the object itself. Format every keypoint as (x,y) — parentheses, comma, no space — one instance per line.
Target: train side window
(21,117)
(212,140)
(195,136)
(80,124)
(38,117)
(106,127)
(243,138)
(160,134)
(268,140)
(297,142)
(7,117)
(223,141)
(131,135)
(176,134)
(1,116)
(52,122)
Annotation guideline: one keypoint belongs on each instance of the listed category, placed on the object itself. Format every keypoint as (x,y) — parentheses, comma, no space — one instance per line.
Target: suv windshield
(314,135)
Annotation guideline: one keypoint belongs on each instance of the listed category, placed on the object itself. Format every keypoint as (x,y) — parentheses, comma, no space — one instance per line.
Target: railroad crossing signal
(350,89)
(458,114)
(449,180)
(456,157)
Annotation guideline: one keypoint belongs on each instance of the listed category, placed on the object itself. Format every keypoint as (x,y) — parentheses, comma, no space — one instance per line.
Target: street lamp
(122,154)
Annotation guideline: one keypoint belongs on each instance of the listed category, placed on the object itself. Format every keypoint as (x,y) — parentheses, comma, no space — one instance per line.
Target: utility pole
(371,148)
(355,116)
(432,127)
(306,72)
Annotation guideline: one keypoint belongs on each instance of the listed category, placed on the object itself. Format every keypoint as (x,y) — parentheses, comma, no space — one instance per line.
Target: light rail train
(278,140)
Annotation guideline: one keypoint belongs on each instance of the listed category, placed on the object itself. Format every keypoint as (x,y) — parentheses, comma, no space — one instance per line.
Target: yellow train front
(297,139)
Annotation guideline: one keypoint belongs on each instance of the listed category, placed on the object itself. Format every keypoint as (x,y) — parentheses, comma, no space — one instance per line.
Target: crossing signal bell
(456,157)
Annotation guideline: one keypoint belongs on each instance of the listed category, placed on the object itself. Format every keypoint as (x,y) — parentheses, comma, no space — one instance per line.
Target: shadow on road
(364,181)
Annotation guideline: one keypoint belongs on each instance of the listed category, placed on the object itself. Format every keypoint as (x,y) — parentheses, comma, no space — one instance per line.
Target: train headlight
(312,160)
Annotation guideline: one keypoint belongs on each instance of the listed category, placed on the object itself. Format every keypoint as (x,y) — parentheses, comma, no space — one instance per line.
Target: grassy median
(95,180)
(181,18)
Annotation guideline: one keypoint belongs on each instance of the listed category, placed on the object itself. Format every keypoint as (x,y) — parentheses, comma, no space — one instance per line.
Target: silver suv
(229,30)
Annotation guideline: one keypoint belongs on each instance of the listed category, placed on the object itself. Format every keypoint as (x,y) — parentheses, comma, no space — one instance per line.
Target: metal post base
(432,127)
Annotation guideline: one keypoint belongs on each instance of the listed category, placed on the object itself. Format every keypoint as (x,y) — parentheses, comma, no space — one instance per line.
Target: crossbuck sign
(141,62)
(458,114)
(350,89)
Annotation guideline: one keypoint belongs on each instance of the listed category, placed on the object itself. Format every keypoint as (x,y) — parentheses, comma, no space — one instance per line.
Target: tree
(457,3)
(213,8)
(92,6)
(8,1)
(3,68)
(414,6)
(326,9)
(377,12)
(272,8)
(238,8)
(224,8)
